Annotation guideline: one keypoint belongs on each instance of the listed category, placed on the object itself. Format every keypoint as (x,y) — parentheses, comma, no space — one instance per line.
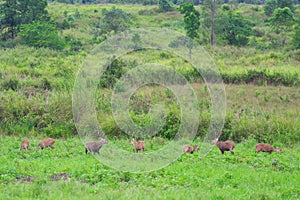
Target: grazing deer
(46,143)
(224,146)
(261,147)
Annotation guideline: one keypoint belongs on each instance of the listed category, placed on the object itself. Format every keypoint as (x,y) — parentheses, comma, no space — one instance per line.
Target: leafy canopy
(232,27)
(271,5)
(14,13)
(165,5)
(282,19)
(191,20)
(115,20)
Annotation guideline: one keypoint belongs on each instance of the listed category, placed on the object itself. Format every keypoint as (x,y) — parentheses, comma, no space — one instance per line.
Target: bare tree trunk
(213,13)
(212,35)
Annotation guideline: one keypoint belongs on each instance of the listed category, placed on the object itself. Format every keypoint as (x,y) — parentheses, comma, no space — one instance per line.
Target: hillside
(37,83)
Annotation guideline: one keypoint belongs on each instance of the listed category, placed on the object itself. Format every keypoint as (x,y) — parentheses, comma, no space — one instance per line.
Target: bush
(165,5)
(41,34)
(113,72)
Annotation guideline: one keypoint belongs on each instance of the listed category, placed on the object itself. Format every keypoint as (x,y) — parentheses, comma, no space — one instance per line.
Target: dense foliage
(234,27)
(41,34)
(164,5)
(115,20)
(190,19)
(14,13)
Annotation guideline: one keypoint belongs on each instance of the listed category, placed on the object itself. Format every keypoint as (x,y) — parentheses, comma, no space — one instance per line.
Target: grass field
(68,173)
(262,105)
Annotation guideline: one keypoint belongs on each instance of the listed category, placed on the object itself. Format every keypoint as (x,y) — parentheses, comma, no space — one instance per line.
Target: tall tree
(165,5)
(233,27)
(115,20)
(287,3)
(191,20)
(271,5)
(32,10)
(212,6)
(17,12)
(282,21)
(9,19)
(191,23)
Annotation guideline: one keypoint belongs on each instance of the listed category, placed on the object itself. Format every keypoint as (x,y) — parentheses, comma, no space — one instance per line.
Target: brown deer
(190,149)
(94,147)
(261,147)
(24,145)
(224,146)
(140,145)
(46,143)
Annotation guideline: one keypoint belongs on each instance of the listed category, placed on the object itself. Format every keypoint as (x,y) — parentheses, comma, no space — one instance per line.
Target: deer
(24,145)
(94,147)
(261,147)
(224,146)
(46,143)
(190,149)
(140,145)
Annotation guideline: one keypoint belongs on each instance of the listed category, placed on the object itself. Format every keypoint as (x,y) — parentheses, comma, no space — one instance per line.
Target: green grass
(245,175)
(36,100)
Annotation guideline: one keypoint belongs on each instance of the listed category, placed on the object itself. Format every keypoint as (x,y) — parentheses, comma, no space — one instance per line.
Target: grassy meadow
(262,105)
(68,173)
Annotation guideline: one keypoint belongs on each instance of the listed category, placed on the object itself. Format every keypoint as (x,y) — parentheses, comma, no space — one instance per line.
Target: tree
(165,5)
(87,1)
(9,19)
(271,5)
(32,10)
(282,21)
(115,20)
(41,34)
(191,20)
(15,13)
(296,37)
(191,23)
(113,73)
(286,3)
(212,5)
(233,27)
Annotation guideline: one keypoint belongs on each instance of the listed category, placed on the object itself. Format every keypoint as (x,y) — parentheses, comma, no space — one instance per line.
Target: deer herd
(94,147)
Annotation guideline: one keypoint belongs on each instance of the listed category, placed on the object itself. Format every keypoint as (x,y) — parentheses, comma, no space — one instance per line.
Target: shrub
(41,34)
(113,72)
